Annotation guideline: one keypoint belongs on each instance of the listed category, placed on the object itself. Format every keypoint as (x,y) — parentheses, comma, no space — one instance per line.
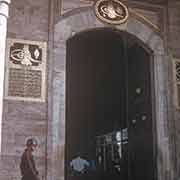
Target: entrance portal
(109,114)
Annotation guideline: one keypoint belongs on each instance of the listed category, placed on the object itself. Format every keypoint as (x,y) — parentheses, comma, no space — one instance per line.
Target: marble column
(4,12)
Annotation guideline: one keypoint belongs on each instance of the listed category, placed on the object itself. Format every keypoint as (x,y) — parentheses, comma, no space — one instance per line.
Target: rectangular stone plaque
(25,77)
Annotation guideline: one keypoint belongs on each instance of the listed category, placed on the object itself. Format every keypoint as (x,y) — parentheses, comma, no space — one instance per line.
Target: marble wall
(55,22)
(22,119)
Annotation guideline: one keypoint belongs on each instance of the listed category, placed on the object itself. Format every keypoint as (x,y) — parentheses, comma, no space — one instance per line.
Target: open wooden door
(102,109)
(140,114)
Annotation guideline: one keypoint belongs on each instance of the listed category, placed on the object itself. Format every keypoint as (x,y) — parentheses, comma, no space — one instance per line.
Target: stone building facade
(157,24)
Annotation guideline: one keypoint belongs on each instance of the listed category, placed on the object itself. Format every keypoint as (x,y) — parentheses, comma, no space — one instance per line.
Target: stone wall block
(62,31)
(29,20)
(59,57)
(68,5)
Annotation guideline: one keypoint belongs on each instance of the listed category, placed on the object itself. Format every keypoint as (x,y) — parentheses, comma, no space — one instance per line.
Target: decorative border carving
(176,82)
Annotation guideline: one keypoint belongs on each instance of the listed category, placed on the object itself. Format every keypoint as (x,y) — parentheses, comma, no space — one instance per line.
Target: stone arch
(75,22)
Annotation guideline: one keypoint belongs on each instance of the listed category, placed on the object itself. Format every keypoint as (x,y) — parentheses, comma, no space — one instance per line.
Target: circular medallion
(111,11)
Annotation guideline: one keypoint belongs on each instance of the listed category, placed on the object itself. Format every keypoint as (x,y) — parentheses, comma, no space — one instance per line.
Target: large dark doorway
(109,115)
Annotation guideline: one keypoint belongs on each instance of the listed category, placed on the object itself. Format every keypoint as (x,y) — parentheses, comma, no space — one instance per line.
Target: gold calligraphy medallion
(111,11)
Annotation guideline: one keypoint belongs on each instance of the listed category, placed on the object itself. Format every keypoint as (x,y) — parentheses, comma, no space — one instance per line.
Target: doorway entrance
(109,107)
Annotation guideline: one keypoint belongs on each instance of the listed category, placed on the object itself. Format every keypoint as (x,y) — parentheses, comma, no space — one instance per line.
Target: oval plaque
(111,11)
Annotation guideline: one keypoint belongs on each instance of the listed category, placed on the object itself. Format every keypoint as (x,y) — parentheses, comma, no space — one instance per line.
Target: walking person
(27,166)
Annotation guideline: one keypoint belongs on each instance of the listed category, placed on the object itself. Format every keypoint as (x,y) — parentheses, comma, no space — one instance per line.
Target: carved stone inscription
(24,83)
(28,55)
(25,70)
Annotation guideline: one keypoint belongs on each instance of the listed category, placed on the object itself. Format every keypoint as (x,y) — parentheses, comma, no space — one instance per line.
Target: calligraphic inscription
(111,11)
(24,83)
(25,70)
(28,55)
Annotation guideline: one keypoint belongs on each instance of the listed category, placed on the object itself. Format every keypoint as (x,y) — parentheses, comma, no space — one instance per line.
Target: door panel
(140,114)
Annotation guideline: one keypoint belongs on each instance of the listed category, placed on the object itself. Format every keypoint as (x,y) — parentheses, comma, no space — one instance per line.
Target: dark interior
(109,114)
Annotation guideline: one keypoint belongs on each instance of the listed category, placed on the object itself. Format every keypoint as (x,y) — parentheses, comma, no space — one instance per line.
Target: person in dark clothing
(27,165)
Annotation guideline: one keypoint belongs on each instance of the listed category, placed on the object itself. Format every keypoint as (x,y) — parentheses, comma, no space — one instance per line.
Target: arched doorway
(109,107)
